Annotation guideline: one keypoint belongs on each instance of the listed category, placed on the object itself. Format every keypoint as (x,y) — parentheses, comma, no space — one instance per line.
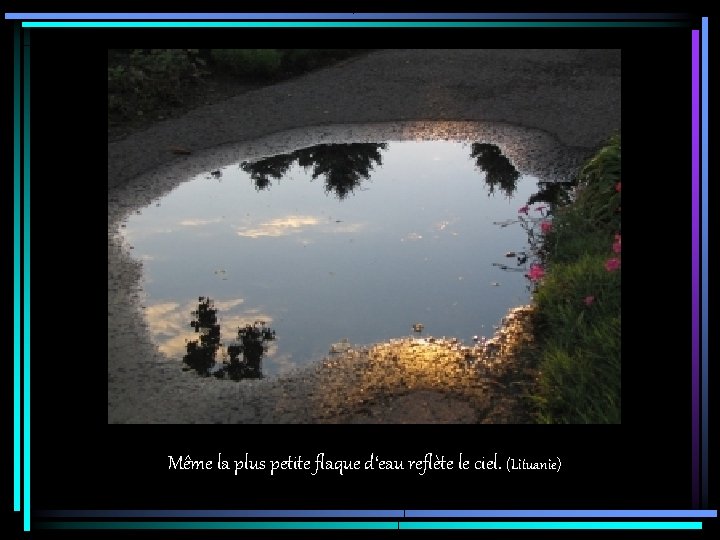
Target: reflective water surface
(355,242)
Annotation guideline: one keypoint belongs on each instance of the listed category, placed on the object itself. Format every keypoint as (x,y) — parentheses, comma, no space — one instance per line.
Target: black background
(81,462)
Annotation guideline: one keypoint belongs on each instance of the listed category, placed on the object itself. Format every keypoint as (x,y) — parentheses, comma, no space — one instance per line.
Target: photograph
(346,236)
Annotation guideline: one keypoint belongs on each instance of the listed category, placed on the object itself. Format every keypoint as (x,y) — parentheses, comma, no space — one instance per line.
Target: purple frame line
(704,256)
(695,269)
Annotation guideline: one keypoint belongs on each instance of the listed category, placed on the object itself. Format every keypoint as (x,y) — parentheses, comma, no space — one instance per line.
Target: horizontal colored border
(551,525)
(222,513)
(351,24)
(371,525)
(561,513)
(220,525)
(333,16)
(377,513)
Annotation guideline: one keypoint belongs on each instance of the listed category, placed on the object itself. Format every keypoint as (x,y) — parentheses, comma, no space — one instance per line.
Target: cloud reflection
(280,226)
(196,222)
(294,224)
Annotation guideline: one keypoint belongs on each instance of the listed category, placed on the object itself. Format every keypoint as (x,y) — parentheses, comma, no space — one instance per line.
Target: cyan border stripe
(695,317)
(332,16)
(550,525)
(26,282)
(704,271)
(561,513)
(376,513)
(352,24)
(16,271)
(220,525)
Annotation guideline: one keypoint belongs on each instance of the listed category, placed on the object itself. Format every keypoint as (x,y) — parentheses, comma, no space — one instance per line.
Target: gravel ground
(549,108)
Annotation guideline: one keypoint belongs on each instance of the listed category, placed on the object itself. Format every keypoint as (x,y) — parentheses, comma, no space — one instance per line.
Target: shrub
(578,301)
(257,63)
(146,79)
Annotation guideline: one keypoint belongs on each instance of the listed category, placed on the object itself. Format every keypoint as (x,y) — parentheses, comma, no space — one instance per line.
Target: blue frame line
(17,367)
(704,259)
(376,514)
(334,16)
(26,281)
(375,525)
(353,24)
(221,513)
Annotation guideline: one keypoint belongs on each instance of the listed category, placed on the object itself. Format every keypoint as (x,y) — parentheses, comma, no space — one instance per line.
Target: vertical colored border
(695,268)
(704,215)
(16,268)
(26,282)
(21,280)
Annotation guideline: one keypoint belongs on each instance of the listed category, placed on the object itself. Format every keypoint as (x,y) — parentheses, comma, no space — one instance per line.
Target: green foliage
(578,303)
(144,80)
(253,63)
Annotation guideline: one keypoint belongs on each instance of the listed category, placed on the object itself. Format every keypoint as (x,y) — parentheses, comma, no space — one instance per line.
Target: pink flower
(546,226)
(523,209)
(617,187)
(616,244)
(612,264)
(536,272)
(589,300)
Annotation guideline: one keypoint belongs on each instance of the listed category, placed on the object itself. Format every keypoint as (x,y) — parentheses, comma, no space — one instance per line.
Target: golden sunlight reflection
(370,376)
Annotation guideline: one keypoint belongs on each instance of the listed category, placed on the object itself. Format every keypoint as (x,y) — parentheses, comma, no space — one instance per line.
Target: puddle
(338,243)
(413,239)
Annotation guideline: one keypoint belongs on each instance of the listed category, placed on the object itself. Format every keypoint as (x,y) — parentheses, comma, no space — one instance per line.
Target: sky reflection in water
(339,255)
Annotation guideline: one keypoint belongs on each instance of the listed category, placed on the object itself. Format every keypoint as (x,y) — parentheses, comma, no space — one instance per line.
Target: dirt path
(572,95)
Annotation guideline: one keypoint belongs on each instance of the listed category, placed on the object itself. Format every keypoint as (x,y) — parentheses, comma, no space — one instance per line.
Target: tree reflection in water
(264,170)
(343,166)
(252,345)
(499,172)
(553,193)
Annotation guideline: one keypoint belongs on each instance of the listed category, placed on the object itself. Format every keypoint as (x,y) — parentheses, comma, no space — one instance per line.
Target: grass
(578,302)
